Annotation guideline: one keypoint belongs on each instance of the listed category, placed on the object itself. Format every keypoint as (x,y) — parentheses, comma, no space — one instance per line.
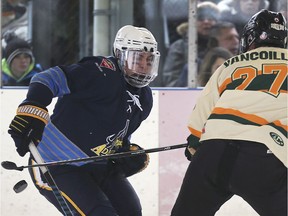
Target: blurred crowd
(219,27)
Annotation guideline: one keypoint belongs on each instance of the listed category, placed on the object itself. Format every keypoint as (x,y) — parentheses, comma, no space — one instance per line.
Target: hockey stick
(12,166)
(57,193)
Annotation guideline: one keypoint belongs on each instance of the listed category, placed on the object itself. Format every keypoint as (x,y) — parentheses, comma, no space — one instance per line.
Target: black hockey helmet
(265,28)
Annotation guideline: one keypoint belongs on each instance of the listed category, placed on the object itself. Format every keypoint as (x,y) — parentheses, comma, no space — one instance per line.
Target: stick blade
(10,165)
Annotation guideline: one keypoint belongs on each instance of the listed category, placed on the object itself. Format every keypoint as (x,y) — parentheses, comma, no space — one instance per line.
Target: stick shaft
(57,193)
(104,157)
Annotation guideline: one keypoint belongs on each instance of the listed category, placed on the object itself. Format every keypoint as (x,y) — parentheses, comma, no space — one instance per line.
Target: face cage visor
(139,67)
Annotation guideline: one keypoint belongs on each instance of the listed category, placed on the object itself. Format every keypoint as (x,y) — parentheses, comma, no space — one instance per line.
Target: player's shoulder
(103,63)
(92,65)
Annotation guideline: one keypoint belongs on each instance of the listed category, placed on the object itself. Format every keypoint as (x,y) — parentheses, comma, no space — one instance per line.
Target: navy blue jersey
(96,111)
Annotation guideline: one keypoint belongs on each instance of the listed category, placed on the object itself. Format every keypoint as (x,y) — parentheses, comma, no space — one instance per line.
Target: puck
(20,186)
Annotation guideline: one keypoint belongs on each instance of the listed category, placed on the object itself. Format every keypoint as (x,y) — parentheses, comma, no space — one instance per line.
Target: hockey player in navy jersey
(101,102)
(239,128)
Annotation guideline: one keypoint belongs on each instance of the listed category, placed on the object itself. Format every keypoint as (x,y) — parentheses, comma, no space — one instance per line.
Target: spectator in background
(212,60)
(177,56)
(18,64)
(207,16)
(240,11)
(224,34)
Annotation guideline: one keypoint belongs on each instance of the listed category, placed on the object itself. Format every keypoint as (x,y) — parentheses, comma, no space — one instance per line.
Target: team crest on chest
(106,63)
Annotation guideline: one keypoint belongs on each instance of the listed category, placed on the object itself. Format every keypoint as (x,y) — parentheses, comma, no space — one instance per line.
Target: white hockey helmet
(136,49)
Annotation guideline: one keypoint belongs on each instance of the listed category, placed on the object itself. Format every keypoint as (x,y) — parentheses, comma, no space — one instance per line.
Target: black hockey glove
(28,125)
(191,148)
(132,164)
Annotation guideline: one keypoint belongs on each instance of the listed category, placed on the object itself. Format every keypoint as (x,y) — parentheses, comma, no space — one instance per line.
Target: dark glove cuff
(193,142)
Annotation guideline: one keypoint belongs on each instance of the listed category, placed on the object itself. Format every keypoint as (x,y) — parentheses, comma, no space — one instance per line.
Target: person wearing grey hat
(18,64)
(177,56)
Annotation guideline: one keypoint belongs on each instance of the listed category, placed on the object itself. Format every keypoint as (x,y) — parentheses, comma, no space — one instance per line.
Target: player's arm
(201,112)
(32,114)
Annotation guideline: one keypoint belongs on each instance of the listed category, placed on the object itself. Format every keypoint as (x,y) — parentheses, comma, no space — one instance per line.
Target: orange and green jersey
(246,99)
